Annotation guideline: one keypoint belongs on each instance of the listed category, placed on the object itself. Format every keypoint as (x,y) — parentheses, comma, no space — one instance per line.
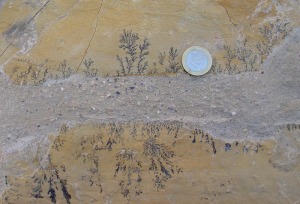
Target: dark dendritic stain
(273,33)
(250,57)
(161,58)
(227,147)
(110,143)
(291,126)
(135,59)
(130,166)
(245,150)
(65,69)
(127,166)
(63,185)
(38,73)
(213,146)
(173,126)
(174,65)
(37,190)
(240,57)
(161,163)
(51,192)
(65,190)
(6,180)
(50,175)
(88,70)
(241,54)
(208,140)
(196,132)
(58,143)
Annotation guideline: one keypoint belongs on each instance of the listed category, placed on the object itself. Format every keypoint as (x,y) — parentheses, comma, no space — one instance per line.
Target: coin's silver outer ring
(196,73)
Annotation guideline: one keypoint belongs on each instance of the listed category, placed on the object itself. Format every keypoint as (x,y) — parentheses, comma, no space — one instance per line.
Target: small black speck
(262,72)
(227,147)
(132,87)
(172,109)
(38,126)
(96,79)
(237,143)
(245,149)
(118,93)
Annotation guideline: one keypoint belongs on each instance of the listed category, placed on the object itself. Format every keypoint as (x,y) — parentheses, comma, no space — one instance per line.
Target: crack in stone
(42,32)
(95,30)
(230,19)
(31,19)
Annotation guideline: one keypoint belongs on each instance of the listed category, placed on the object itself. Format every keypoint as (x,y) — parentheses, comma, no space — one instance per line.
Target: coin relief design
(197,60)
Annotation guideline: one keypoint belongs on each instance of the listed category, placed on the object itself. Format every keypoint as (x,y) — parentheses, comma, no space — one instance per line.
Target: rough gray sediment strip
(236,107)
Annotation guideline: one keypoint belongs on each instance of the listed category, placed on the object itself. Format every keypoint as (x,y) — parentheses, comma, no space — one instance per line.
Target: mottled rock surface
(82,121)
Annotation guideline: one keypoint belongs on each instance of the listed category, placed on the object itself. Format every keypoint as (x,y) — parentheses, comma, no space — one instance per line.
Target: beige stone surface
(52,39)
(103,124)
(158,162)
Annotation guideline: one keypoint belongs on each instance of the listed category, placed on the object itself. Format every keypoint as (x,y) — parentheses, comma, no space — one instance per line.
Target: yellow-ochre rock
(95,106)
(53,39)
(157,162)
